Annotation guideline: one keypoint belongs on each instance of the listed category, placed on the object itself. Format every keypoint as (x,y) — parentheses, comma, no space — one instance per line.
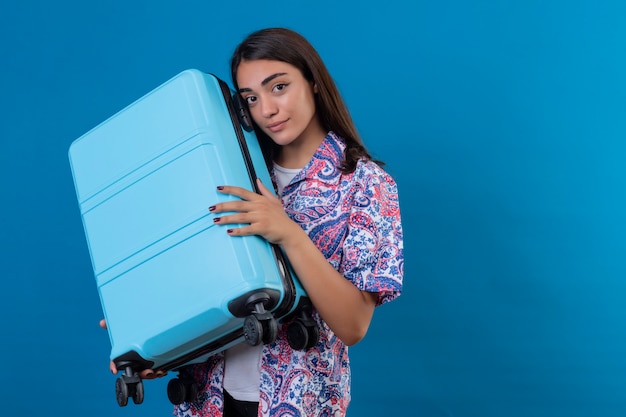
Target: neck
(299,152)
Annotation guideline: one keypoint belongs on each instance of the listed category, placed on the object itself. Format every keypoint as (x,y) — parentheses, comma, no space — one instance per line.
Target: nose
(268,107)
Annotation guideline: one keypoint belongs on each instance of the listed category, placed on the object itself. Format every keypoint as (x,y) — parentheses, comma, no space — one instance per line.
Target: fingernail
(229,231)
(217,220)
(211,208)
(220,187)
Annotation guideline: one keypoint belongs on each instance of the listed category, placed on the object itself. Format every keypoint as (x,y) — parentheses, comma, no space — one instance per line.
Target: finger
(113,368)
(241,231)
(242,218)
(240,206)
(103,323)
(147,374)
(264,190)
(236,191)
(152,374)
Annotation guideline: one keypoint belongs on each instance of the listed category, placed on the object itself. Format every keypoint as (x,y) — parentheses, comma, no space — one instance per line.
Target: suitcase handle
(242,113)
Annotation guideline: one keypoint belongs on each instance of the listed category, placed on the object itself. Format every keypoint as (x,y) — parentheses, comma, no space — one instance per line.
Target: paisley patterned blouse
(354,219)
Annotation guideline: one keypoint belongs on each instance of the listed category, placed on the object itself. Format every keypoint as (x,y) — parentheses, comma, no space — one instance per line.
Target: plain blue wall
(504,124)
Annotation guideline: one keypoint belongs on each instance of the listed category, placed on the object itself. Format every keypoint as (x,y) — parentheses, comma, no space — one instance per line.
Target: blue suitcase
(174,288)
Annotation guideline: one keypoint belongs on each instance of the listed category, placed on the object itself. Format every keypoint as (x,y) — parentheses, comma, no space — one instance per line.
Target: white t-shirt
(242,369)
(284,176)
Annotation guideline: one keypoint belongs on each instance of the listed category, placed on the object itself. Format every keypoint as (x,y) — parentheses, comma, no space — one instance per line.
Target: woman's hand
(145,374)
(263,213)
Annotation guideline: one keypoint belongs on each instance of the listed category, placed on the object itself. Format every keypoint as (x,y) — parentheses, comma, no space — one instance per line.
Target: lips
(275,127)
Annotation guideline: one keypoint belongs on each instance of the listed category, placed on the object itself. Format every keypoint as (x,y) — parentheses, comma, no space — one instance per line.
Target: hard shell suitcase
(174,288)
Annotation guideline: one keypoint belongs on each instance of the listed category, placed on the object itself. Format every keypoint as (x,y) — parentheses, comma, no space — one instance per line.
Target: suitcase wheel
(302,331)
(260,326)
(121,392)
(252,330)
(129,385)
(301,334)
(180,390)
(138,394)
(270,330)
(260,329)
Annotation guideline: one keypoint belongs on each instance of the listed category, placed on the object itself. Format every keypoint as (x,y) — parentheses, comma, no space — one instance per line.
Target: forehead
(253,74)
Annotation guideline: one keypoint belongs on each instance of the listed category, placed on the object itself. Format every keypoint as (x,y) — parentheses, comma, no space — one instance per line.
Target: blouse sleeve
(373,249)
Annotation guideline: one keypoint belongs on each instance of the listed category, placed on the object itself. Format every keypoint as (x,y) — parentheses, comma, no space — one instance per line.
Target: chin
(281,139)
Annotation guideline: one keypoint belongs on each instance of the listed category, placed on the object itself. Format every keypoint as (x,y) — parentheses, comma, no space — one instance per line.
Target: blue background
(504,124)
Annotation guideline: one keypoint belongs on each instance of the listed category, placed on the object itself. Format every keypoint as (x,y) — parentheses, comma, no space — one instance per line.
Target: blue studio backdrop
(504,124)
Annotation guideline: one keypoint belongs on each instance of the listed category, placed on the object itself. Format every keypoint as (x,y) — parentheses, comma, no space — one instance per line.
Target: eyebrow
(264,82)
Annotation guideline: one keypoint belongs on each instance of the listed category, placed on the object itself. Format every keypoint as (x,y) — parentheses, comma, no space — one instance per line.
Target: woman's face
(281,101)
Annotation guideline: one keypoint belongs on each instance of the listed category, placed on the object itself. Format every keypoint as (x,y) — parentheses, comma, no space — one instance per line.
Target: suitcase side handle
(242,113)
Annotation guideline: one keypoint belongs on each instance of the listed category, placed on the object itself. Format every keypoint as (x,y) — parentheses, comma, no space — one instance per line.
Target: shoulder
(368,172)
(378,187)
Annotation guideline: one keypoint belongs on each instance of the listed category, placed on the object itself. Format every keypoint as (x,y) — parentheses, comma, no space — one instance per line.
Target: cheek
(256,115)
(307,106)
(307,100)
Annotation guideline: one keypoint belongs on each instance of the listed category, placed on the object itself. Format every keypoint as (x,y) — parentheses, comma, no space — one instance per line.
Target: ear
(315,89)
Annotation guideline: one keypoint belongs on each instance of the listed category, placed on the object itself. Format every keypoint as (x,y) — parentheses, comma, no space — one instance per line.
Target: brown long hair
(280,44)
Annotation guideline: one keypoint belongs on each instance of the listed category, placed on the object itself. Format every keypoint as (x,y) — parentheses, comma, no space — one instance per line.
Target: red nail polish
(229,231)
(216,220)
(211,208)
(220,187)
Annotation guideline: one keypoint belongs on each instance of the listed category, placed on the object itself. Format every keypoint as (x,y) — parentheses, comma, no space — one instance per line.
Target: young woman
(337,219)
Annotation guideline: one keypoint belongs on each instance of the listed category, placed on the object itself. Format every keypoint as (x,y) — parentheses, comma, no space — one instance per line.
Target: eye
(279,87)
(250,100)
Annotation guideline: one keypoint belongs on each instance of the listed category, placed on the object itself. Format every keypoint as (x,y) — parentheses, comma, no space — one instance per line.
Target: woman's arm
(346,309)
